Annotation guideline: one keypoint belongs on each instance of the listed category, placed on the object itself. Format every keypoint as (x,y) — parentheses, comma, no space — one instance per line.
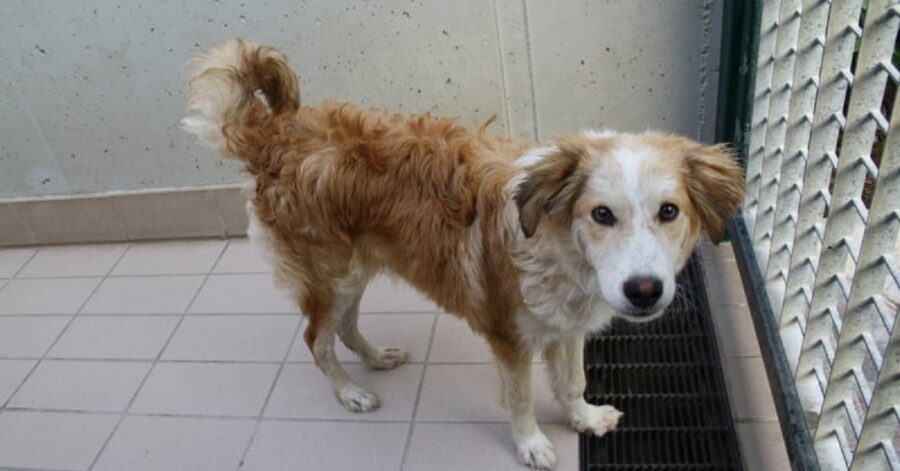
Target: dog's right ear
(550,186)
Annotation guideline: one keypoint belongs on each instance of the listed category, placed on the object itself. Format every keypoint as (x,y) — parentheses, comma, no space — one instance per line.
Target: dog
(534,246)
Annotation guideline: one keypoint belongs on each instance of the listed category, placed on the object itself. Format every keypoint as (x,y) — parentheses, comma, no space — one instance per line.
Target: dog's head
(633,205)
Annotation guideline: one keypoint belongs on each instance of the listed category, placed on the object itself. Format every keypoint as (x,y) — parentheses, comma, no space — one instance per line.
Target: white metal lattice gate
(823,212)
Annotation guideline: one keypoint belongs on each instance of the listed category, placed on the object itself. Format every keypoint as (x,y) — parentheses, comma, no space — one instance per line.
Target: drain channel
(666,377)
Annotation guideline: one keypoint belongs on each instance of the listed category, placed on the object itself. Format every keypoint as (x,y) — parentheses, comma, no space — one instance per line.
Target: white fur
(214,93)
(642,250)
(534,156)
(599,133)
(357,399)
(533,447)
(536,451)
(598,420)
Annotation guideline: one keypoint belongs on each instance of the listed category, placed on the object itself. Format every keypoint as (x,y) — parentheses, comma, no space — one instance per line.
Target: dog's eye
(668,212)
(603,215)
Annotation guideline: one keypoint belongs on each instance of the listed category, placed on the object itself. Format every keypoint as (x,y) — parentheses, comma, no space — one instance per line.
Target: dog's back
(355,188)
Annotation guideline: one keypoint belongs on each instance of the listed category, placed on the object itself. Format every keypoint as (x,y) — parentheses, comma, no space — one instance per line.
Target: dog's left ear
(715,185)
(550,186)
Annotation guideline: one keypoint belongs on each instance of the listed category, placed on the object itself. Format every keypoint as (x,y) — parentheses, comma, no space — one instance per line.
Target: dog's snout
(643,291)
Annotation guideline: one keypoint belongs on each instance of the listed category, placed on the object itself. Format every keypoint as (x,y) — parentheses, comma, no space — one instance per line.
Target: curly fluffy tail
(222,88)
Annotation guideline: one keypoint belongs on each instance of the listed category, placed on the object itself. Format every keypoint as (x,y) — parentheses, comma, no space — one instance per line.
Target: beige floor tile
(170,257)
(737,336)
(12,372)
(332,446)
(462,447)
(11,260)
(723,283)
(386,294)
(722,251)
(55,296)
(176,443)
(748,389)
(52,439)
(409,331)
(206,389)
(242,256)
(257,338)
(115,337)
(762,446)
(29,337)
(463,393)
(73,260)
(455,342)
(242,294)
(303,392)
(81,385)
(144,295)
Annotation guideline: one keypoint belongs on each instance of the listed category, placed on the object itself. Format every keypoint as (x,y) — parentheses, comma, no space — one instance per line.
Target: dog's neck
(559,287)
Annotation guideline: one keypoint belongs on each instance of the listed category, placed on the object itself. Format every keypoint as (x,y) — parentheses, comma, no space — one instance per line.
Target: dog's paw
(356,399)
(596,419)
(536,452)
(390,357)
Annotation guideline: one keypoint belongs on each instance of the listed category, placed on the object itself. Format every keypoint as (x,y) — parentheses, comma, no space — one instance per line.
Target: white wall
(91,91)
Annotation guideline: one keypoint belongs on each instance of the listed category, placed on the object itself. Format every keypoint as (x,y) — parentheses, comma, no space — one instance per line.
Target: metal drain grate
(666,377)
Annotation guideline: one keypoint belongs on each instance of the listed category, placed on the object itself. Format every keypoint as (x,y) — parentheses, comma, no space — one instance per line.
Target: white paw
(389,358)
(596,419)
(356,399)
(536,452)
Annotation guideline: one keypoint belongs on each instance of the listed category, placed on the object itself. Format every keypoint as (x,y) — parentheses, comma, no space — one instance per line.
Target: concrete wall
(91,91)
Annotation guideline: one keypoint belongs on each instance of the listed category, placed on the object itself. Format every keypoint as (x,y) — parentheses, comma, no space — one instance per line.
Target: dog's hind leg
(375,357)
(325,310)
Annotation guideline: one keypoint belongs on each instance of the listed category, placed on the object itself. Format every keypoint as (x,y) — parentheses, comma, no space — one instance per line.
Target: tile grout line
(16,273)
(137,391)
(251,362)
(221,256)
(143,275)
(412,420)
(18,270)
(265,404)
(247,418)
(65,327)
(18,468)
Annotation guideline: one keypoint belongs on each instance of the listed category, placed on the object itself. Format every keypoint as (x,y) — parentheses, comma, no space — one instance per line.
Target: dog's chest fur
(560,291)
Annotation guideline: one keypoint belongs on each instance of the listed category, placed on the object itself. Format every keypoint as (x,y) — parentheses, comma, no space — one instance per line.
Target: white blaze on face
(636,245)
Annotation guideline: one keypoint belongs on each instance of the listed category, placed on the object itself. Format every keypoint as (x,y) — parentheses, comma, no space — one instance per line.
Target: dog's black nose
(643,291)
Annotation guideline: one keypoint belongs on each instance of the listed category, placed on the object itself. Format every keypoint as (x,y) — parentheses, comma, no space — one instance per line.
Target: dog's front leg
(532,446)
(565,362)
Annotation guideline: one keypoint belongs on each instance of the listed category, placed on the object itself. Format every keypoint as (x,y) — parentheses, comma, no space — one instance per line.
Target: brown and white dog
(533,246)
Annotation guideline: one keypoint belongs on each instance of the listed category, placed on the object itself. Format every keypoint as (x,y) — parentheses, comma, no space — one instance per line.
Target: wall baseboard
(216,211)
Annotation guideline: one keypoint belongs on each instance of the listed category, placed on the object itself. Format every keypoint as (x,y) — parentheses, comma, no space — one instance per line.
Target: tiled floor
(182,355)
(752,406)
